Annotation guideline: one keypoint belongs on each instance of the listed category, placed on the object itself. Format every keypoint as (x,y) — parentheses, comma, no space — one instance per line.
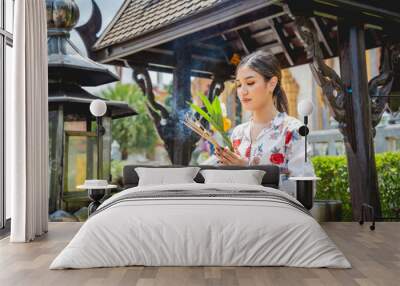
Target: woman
(271,136)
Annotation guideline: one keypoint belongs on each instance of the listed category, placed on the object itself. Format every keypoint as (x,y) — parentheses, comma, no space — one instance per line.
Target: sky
(108,8)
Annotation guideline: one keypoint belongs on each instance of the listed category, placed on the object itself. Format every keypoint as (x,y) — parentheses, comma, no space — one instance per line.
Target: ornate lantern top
(66,64)
(62,14)
(69,70)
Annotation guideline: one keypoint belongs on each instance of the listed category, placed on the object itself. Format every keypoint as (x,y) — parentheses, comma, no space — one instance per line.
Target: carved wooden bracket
(380,86)
(216,88)
(158,112)
(333,87)
(142,78)
(164,121)
(330,82)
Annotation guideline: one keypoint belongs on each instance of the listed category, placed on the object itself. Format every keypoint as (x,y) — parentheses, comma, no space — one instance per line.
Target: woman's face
(253,90)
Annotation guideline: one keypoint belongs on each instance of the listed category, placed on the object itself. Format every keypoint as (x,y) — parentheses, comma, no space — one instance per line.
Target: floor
(4,232)
(375,256)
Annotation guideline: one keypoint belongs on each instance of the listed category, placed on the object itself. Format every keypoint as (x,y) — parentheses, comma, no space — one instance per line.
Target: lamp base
(95,195)
(305,190)
(304,193)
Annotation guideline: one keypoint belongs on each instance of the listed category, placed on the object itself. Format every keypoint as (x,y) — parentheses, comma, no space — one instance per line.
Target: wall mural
(183,102)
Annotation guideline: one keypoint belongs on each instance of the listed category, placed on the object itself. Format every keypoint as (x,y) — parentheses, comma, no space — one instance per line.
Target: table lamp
(98,108)
(305,108)
(304,183)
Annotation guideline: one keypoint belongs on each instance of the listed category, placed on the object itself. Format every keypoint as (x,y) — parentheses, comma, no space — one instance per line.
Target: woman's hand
(227,157)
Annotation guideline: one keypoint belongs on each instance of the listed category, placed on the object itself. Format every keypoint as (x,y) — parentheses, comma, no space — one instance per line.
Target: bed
(197,224)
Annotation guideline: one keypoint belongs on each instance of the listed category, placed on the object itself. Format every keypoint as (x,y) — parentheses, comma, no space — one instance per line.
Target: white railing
(330,141)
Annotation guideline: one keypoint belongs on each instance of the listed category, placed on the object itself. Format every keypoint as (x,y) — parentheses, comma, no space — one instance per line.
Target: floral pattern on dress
(288,137)
(280,144)
(248,151)
(236,144)
(276,156)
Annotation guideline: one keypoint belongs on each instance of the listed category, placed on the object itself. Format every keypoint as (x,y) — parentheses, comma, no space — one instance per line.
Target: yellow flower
(227,123)
(235,59)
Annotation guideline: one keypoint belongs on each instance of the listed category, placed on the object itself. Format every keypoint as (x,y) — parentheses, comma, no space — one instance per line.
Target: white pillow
(248,177)
(165,176)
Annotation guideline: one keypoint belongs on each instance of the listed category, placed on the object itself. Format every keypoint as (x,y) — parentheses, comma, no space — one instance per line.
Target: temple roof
(137,17)
(146,32)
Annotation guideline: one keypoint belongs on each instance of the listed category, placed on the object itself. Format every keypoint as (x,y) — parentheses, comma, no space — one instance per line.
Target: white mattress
(202,231)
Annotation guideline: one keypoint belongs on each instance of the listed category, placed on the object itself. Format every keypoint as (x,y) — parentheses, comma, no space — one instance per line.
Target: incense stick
(199,129)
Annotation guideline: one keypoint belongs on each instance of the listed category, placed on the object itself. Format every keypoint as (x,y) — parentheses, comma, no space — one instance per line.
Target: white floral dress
(280,144)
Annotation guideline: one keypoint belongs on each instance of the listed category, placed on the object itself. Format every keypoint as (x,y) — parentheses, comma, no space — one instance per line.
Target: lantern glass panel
(75,125)
(55,157)
(80,164)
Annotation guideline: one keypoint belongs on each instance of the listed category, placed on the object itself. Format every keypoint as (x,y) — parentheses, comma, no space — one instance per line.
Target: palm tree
(135,134)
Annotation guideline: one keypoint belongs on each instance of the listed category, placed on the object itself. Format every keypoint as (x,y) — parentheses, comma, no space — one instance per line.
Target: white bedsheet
(200,231)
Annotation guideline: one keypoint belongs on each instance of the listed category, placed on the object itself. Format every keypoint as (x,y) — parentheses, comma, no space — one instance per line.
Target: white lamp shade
(305,107)
(98,107)
(163,121)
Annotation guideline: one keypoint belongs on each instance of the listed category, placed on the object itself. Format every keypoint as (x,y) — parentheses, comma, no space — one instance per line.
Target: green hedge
(334,185)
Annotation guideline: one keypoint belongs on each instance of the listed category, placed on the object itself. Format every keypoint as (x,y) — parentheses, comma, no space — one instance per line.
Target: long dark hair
(268,66)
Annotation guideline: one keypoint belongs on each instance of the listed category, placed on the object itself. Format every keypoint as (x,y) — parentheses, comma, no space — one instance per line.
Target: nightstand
(96,194)
(304,190)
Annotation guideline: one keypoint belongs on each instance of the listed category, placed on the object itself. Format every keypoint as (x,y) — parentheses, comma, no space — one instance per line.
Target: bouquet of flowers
(213,115)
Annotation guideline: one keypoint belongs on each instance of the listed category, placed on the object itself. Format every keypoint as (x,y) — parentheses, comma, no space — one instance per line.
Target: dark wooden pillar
(182,139)
(56,157)
(358,129)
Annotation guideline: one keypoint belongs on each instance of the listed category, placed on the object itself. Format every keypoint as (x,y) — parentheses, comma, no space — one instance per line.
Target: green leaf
(218,113)
(213,116)
(207,104)
(227,141)
(201,112)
